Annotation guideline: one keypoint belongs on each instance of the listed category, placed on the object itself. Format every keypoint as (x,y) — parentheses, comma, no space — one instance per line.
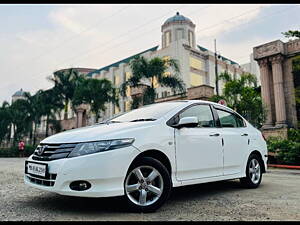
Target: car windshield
(147,113)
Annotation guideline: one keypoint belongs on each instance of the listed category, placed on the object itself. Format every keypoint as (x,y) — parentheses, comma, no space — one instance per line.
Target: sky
(36,40)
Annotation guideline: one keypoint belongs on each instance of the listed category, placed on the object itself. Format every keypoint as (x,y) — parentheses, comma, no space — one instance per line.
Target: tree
(243,96)
(5,121)
(35,110)
(96,93)
(292,34)
(65,83)
(51,104)
(149,73)
(20,118)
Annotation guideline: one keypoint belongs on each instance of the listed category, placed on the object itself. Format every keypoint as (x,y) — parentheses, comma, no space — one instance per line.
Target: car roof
(207,102)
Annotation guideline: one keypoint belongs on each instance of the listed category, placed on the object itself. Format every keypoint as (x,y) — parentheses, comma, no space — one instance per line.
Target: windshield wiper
(108,122)
(137,120)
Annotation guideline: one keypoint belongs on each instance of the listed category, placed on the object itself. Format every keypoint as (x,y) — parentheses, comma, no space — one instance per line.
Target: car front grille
(49,152)
(49,180)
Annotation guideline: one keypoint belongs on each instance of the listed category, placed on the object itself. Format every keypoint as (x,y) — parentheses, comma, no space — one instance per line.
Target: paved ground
(278,198)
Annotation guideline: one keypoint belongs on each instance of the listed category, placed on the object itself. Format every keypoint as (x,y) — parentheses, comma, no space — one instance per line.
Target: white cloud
(97,35)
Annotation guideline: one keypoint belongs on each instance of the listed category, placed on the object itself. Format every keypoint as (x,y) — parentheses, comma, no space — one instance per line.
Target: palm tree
(96,93)
(65,83)
(51,104)
(148,72)
(20,116)
(5,121)
(35,109)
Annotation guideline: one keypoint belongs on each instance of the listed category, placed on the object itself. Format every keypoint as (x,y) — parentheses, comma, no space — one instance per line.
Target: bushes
(286,151)
(14,151)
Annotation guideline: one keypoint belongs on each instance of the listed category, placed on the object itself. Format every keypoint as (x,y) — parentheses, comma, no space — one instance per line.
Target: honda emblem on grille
(42,149)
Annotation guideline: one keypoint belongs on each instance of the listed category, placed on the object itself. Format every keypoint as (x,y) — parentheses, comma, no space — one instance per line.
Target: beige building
(178,41)
(277,84)
(253,68)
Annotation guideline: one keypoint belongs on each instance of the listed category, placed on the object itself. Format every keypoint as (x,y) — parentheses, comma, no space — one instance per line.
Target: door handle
(214,135)
(244,135)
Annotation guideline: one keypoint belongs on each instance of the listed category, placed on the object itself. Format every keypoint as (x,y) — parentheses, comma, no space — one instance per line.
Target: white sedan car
(142,154)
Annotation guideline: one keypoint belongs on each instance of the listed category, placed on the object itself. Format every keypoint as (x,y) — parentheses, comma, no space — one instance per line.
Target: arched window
(191,38)
(167,38)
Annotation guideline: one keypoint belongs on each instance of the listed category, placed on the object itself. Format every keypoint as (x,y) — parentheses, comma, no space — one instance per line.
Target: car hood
(98,132)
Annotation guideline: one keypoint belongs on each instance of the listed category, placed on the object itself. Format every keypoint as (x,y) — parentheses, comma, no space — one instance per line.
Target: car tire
(148,192)
(253,172)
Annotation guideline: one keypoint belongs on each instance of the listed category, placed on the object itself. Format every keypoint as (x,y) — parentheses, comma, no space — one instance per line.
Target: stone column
(79,117)
(265,91)
(278,91)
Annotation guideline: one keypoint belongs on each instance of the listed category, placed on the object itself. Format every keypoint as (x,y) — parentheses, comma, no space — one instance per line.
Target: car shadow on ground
(68,204)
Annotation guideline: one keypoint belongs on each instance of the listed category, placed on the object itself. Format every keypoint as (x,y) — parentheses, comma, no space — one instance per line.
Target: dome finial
(177,13)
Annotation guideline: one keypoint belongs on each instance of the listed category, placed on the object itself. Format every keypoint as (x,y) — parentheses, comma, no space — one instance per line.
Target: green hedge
(287,151)
(14,152)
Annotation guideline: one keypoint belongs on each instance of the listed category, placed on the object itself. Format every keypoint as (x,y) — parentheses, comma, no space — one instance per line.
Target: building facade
(178,41)
(277,85)
(253,68)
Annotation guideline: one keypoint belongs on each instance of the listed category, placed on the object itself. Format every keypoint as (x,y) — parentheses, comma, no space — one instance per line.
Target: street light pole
(216,70)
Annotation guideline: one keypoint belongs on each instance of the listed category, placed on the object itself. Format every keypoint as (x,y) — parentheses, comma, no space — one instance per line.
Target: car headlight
(99,146)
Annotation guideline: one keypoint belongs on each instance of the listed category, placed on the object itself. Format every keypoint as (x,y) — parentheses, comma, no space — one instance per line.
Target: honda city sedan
(142,154)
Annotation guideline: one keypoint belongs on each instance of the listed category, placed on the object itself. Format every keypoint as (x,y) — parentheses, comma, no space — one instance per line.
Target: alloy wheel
(144,185)
(254,171)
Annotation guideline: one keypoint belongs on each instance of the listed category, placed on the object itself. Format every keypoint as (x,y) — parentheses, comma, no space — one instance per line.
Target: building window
(128,91)
(167,74)
(179,34)
(116,109)
(166,59)
(155,82)
(191,38)
(127,75)
(196,63)
(164,94)
(196,79)
(167,38)
(116,80)
(127,106)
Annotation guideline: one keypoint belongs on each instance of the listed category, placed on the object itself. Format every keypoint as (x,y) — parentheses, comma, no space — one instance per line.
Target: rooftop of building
(128,59)
(79,69)
(177,17)
(222,57)
(116,64)
(19,93)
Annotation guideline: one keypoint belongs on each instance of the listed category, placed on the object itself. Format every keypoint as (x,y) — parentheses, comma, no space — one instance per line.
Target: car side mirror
(191,121)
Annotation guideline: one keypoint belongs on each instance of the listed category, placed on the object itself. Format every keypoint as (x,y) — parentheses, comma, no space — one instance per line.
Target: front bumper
(105,171)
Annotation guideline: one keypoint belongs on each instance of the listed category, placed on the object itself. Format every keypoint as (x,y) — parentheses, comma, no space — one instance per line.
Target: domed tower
(178,28)
(18,95)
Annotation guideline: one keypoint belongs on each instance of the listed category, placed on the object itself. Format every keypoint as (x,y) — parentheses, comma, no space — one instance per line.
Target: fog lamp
(80,185)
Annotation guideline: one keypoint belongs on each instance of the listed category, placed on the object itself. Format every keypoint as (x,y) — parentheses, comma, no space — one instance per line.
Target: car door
(198,149)
(235,137)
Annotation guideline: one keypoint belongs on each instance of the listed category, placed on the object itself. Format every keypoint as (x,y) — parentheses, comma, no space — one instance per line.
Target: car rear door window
(228,119)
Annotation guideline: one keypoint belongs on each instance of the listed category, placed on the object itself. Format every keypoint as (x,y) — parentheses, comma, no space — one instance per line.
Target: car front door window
(202,112)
